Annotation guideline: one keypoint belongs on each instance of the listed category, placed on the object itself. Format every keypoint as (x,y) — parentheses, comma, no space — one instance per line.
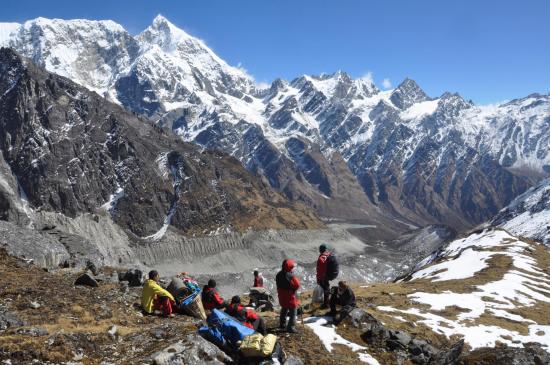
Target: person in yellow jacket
(155,297)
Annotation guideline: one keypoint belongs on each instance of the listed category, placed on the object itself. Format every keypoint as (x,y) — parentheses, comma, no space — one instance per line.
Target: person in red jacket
(211,299)
(246,316)
(287,286)
(258,280)
(322,278)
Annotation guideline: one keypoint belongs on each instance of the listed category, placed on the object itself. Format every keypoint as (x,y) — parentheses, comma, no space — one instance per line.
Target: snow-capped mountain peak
(165,34)
(418,157)
(407,94)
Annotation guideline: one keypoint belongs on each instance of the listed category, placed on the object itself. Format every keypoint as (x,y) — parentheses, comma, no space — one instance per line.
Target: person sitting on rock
(258,280)
(211,299)
(154,297)
(245,315)
(344,297)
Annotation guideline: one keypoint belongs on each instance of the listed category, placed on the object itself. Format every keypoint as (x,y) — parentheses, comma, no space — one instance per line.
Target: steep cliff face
(71,151)
(336,143)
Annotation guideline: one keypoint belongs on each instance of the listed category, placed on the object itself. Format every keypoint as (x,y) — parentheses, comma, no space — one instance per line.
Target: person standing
(327,270)
(258,280)
(287,286)
(344,297)
(154,297)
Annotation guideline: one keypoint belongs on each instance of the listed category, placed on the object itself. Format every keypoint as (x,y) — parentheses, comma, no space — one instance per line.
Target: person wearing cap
(154,297)
(327,269)
(211,299)
(287,286)
(258,280)
(246,316)
(344,297)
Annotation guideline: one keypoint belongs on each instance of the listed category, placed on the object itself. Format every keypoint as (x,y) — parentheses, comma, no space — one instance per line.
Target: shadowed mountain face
(68,150)
(335,143)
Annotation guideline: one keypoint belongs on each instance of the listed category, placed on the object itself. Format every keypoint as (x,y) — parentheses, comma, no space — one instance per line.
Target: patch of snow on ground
(478,335)
(523,284)
(329,337)
(464,266)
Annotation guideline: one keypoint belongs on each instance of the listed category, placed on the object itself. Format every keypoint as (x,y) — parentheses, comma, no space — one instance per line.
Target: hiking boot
(292,330)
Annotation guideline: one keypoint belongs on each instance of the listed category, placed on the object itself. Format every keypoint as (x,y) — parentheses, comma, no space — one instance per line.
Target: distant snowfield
(529,214)
(523,285)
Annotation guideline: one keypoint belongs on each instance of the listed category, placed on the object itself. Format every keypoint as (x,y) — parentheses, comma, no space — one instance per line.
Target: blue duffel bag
(231,329)
(213,335)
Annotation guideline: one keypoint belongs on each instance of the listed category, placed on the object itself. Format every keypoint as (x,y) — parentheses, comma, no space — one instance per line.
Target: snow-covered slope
(333,142)
(488,287)
(529,214)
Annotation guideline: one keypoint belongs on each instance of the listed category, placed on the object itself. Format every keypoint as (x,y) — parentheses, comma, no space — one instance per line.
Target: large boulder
(133,277)
(530,354)
(86,279)
(401,343)
(9,320)
(193,350)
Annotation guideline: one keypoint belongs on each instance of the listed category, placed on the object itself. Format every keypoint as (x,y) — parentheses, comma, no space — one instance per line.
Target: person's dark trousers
(259,326)
(344,312)
(333,303)
(325,284)
(291,312)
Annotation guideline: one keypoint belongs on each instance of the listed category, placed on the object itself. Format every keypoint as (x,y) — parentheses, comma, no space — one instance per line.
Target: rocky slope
(67,150)
(338,144)
(483,299)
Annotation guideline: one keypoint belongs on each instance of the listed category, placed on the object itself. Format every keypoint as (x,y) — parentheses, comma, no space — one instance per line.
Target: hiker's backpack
(231,329)
(333,268)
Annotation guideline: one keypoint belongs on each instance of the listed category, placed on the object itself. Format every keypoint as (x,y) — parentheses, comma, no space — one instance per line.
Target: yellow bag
(252,345)
(257,345)
(268,344)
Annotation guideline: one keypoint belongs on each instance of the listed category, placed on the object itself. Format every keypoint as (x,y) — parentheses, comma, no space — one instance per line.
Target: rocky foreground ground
(45,318)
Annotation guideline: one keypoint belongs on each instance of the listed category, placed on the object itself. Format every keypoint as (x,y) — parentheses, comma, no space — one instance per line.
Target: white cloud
(386,83)
(263,85)
(368,76)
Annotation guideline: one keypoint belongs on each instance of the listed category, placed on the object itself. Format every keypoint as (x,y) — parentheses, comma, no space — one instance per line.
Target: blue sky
(488,51)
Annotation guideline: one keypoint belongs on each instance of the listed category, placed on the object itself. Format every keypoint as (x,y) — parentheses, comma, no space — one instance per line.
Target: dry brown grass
(489,319)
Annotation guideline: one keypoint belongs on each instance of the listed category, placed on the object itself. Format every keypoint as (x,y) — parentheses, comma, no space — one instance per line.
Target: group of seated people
(211,299)
(170,300)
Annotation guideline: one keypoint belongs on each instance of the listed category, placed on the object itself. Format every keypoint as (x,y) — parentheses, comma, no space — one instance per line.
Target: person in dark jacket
(287,286)
(258,280)
(246,316)
(344,297)
(211,299)
(323,275)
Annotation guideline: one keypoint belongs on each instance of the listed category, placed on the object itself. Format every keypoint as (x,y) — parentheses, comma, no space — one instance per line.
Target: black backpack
(333,268)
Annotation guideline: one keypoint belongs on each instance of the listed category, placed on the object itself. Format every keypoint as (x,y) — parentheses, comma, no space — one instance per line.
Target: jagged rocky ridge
(65,149)
(336,143)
